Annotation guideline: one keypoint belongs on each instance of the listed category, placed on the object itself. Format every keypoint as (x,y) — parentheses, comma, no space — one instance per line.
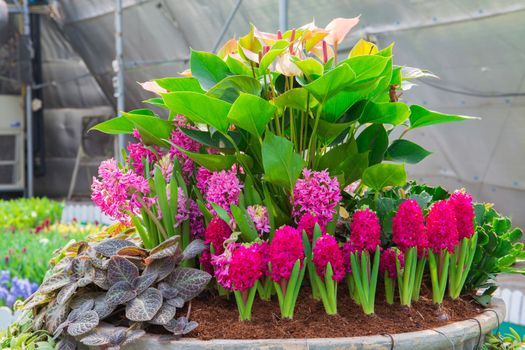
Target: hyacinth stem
(420,270)
(328,290)
(288,293)
(406,277)
(265,289)
(308,253)
(439,266)
(390,285)
(364,274)
(244,302)
(460,264)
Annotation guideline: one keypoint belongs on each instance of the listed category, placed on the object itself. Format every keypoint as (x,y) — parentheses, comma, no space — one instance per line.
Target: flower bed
(274,184)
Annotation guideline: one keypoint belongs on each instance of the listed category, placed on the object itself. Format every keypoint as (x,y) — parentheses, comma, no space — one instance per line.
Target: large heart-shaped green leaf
(294,98)
(366,67)
(374,139)
(282,166)
(199,108)
(310,67)
(345,159)
(180,84)
(331,83)
(406,151)
(394,113)
(252,114)
(336,106)
(208,68)
(231,87)
(421,116)
(327,131)
(381,175)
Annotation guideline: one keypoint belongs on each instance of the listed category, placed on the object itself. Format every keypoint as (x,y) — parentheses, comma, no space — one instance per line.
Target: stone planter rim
(458,335)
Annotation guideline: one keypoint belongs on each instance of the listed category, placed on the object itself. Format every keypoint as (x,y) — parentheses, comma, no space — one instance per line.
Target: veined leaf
(282,166)
(295,98)
(252,114)
(310,67)
(366,67)
(381,175)
(199,108)
(421,116)
(208,68)
(153,130)
(374,139)
(114,126)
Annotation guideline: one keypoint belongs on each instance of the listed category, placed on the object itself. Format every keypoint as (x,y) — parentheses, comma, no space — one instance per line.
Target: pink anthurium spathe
(338,29)
(152,86)
(228,48)
(286,67)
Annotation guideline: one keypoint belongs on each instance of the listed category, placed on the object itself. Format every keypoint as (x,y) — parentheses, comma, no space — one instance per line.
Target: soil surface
(218,317)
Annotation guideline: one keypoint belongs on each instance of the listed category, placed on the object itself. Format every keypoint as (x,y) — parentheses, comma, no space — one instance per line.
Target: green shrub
(29,213)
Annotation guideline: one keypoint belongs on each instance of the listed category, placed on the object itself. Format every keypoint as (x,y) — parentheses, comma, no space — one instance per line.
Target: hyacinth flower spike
(463,255)
(409,234)
(365,238)
(329,270)
(442,239)
(287,267)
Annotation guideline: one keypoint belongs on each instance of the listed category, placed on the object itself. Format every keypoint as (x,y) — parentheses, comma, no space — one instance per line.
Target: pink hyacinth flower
(461,203)
(441,227)
(326,250)
(365,231)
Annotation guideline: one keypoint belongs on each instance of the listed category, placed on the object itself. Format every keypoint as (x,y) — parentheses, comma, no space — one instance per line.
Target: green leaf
(331,83)
(156,101)
(180,84)
(245,223)
(310,67)
(374,139)
(344,159)
(212,162)
(381,175)
(421,116)
(117,125)
(208,68)
(237,67)
(366,67)
(336,106)
(295,98)
(230,88)
(279,47)
(282,166)
(327,131)
(199,108)
(407,152)
(394,113)
(252,114)
(153,130)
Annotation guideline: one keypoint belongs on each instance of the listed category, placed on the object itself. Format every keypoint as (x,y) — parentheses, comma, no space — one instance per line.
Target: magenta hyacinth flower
(307,224)
(441,227)
(365,231)
(139,152)
(196,220)
(245,267)
(326,250)
(116,193)
(203,175)
(316,193)
(285,249)
(180,139)
(216,233)
(461,203)
(408,226)
(387,262)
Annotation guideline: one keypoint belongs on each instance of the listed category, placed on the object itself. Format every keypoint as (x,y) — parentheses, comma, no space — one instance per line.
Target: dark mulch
(218,317)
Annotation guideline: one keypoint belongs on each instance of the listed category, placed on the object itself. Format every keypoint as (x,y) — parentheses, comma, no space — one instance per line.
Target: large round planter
(463,335)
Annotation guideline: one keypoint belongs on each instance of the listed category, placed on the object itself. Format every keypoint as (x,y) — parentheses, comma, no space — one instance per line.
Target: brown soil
(218,317)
